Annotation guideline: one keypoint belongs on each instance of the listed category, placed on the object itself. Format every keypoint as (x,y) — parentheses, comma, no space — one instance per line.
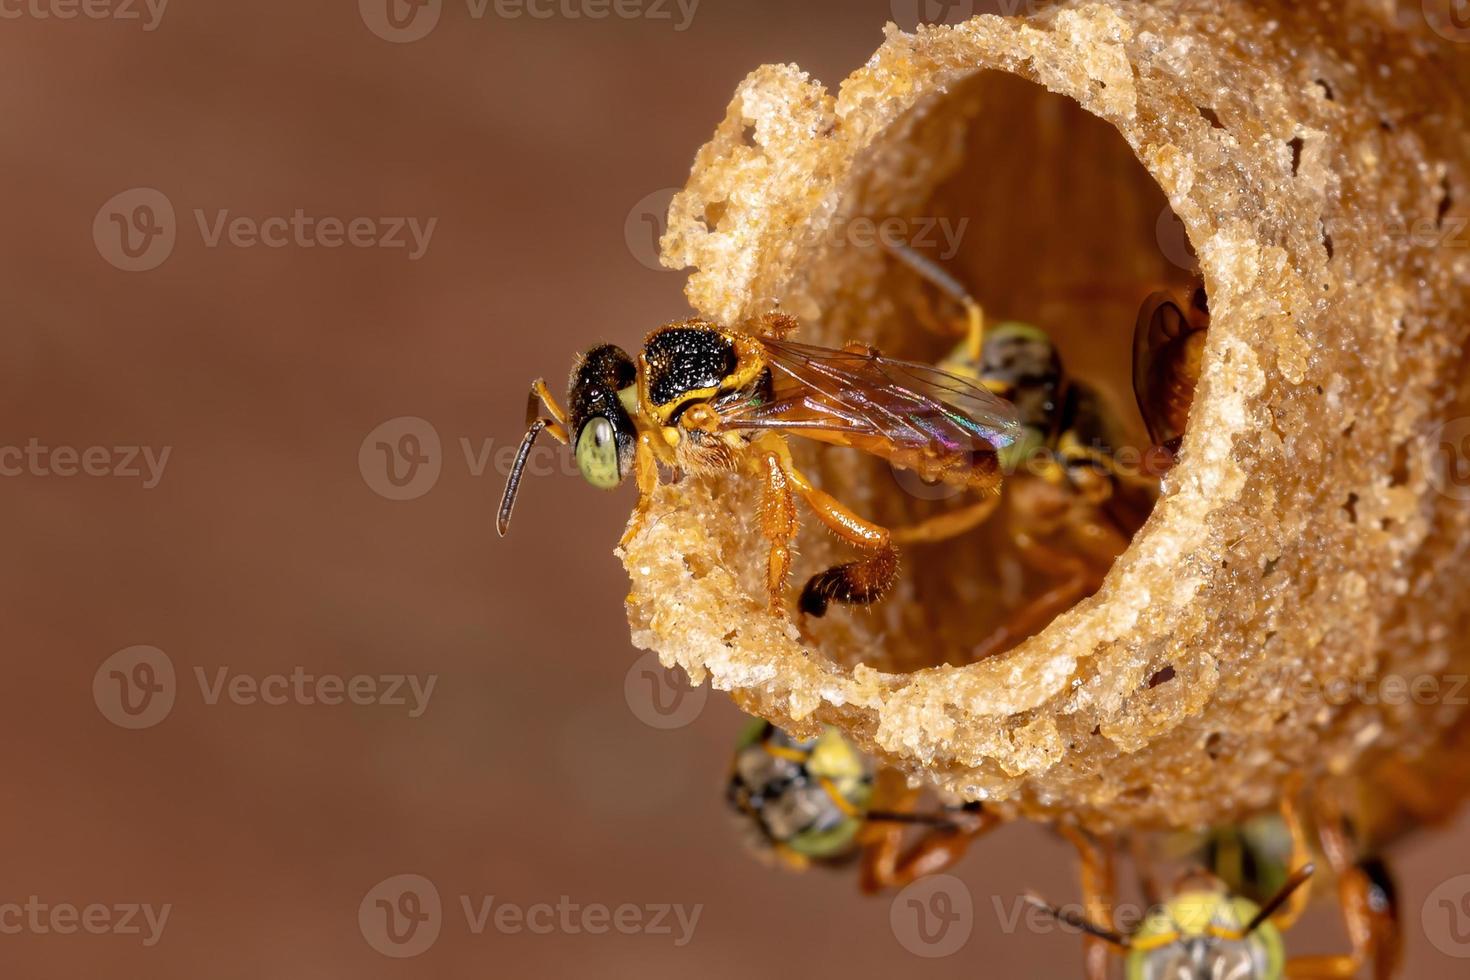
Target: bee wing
(915,406)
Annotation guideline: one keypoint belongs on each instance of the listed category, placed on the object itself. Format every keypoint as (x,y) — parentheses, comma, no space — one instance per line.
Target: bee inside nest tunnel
(1048,267)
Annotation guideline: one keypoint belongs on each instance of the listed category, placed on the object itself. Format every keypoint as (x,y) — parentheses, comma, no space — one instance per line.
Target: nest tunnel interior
(1047,218)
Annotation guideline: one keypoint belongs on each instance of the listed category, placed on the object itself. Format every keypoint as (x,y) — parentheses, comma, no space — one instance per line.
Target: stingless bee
(1207,929)
(818,801)
(702,399)
(1072,508)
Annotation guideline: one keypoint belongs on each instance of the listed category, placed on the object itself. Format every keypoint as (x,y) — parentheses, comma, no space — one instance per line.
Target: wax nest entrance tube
(1310,544)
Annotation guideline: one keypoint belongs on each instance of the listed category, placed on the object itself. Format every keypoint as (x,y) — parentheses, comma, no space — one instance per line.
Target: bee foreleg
(645,473)
(541,395)
(778,523)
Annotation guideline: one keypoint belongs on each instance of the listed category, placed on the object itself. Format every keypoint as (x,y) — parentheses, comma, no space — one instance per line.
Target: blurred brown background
(269,545)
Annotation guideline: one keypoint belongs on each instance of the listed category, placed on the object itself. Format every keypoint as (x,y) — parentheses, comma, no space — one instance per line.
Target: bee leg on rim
(1078,581)
(950,524)
(778,523)
(645,472)
(859,582)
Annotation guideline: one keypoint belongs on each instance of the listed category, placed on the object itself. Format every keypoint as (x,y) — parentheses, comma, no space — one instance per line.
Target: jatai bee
(1071,507)
(1227,916)
(703,399)
(819,801)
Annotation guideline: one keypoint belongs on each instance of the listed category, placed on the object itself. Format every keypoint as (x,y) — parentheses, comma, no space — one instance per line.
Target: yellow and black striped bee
(701,398)
(1071,507)
(819,801)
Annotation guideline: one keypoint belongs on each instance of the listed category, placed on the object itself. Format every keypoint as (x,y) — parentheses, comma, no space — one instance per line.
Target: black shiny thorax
(685,359)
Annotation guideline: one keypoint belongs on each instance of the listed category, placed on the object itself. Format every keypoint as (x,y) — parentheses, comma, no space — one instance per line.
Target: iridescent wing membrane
(862,397)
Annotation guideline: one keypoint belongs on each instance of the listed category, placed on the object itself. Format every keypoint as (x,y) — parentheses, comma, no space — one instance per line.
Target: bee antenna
(1297,880)
(513,484)
(1067,917)
(928,269)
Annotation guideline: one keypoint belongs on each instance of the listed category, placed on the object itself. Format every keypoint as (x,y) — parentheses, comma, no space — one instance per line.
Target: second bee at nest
(702,399)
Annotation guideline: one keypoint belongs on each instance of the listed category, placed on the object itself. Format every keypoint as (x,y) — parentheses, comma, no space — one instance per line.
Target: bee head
(602,432)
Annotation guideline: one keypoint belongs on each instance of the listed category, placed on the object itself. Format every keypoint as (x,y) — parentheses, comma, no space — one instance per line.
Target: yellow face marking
(837,798)
(789,754)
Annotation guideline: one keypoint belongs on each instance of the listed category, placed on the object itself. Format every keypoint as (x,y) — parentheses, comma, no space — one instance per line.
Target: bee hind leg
(778,523)
(855,583)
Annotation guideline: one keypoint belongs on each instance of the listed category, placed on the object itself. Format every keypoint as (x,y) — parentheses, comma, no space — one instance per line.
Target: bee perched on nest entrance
(703,399)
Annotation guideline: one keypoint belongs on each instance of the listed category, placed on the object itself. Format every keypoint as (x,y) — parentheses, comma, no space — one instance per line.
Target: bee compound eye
(597,454)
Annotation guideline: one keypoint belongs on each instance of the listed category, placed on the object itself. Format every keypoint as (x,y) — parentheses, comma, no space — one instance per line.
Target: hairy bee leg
(1078,583)
(1370,911)
(859,582)
(950,524)
(541,395)
(645,473)
(778,523)
(1099,883)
